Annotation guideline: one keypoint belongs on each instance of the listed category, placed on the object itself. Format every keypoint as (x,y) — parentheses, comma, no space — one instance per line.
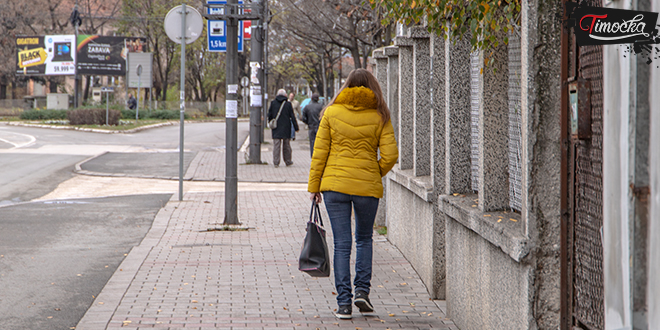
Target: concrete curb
(129,131)
(78,170)
(106,303)
(93,130)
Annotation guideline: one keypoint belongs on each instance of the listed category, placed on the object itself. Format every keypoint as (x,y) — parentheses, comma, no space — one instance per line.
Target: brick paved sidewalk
(185,277)
(210,165)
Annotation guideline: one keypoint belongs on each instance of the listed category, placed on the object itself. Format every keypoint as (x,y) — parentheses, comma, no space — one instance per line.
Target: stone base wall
(410,229)
(486,288)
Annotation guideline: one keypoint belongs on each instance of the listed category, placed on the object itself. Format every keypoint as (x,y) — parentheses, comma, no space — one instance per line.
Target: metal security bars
(515,123)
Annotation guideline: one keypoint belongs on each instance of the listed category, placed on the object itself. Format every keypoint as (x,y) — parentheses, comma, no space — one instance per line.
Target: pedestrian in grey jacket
(310,116)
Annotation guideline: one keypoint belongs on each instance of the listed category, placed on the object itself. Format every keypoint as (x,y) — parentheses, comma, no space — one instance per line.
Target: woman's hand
(315,197)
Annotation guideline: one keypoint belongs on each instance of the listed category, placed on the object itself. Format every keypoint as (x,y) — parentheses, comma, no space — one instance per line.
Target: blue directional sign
(217,30)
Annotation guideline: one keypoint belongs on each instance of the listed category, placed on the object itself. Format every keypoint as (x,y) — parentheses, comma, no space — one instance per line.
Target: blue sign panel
(217,30)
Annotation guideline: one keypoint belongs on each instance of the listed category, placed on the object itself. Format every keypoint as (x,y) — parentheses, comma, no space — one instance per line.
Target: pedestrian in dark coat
(282,133)
(310,116)
(132,102)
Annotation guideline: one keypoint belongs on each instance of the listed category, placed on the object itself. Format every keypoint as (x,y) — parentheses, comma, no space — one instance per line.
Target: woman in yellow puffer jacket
(346,168)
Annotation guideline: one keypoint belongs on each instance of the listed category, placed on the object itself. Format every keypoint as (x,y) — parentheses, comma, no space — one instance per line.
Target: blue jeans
(339,209)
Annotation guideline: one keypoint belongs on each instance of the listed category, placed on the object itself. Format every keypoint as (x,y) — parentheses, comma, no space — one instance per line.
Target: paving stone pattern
(210,165)
(183,276)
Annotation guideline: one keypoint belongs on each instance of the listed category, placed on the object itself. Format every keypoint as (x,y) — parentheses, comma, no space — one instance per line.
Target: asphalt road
(28,176)
(55,256)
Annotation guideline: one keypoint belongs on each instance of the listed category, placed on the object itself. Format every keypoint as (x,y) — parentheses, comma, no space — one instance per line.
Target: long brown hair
(364,78)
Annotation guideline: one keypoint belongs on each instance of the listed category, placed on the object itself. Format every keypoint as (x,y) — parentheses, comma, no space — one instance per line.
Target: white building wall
(617,196)
(616,101)
(653,285)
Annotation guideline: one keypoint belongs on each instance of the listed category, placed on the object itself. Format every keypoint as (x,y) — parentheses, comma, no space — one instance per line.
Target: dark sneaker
(362,302)
(344,312)
(276,166)
(289,164)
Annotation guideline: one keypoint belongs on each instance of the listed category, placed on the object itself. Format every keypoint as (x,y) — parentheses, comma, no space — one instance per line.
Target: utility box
(55,101)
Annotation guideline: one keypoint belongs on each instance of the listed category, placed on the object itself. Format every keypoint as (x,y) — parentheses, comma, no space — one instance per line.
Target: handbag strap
(315,214)
(279,112)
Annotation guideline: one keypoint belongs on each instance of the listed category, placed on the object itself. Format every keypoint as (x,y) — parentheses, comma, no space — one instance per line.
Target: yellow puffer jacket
(345,156)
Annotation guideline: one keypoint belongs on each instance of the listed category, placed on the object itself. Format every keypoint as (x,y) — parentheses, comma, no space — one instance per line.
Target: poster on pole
(45,55)
(105,55)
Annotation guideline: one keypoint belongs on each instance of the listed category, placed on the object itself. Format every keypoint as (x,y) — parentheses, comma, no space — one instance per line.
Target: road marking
(31,140)
(83,186)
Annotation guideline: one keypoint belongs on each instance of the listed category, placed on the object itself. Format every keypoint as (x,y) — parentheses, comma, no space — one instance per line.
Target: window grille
(515,123)
(475,95)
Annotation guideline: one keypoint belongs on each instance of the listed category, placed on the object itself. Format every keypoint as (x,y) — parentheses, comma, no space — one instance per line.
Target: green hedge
(43,114)
(157,114)
(93,117)
(167,114)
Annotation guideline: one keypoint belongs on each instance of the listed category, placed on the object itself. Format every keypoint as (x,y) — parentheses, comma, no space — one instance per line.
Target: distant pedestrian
(354,130)
(281,109)
(295,104)
(132,102)
(311,117)
(296,111)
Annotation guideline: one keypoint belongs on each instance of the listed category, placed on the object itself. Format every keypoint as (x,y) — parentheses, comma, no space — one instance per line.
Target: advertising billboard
(101,55)
(45,55)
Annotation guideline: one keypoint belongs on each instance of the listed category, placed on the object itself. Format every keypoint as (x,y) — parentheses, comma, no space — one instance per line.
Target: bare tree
(144,18)
(349,24)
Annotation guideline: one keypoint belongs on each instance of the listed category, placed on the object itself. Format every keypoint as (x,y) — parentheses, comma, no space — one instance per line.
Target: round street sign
(245,81)
(194,24)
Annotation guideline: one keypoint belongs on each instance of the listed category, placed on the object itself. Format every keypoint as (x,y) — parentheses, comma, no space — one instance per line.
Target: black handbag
(314,258)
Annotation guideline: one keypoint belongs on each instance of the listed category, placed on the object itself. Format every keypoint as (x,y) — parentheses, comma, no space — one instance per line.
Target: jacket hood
(357,98)
(281,98)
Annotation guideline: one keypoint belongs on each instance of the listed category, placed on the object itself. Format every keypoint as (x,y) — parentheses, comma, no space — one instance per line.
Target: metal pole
(182,96)
(76,84)
(256,100)
(137,106)
(231,181)
(107,107)
(264,66)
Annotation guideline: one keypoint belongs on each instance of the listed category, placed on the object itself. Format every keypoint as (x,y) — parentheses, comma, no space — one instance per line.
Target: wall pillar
(406,105)
(392,53)
(494,130)
(421,101)
(457,117)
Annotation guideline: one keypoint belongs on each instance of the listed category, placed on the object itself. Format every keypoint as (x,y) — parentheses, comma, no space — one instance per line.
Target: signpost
(183,30)
(232,12)
(138,71)
(107,91)
(217,29)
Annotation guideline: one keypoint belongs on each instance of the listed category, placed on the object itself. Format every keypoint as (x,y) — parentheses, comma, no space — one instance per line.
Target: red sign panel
(247,29)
